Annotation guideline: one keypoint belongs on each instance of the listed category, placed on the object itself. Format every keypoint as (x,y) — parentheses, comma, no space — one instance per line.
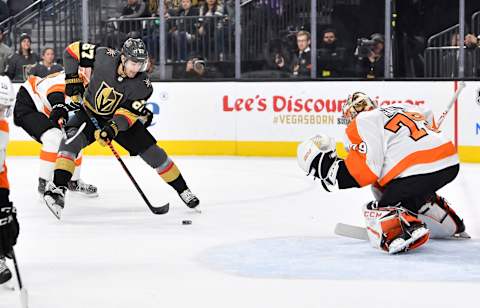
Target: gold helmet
(356,103)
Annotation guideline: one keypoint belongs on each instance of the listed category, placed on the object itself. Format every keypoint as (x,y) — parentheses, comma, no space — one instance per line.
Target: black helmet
(134,49)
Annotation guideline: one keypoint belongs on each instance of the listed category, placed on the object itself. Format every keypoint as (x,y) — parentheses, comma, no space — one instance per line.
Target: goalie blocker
(395,150)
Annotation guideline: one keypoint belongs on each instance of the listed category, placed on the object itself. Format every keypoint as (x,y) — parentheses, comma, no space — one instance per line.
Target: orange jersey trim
(419,157)
(78,161)
(4,178)
(52,157)
(56,88)
(48,156)
(356,162)
(4,126)
(74,50)
(32,80)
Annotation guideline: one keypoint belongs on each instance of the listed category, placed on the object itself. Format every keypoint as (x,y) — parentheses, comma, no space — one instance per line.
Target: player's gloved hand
(74,103)
(9,228)
(74,85)
(148,117)
(107,133)
(59,115)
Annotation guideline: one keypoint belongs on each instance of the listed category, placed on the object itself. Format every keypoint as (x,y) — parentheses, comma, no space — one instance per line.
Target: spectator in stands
(152,38)
(278,58)
(331,59)
(4,11)
(370,61)
(5,53)
(210,30)
(184,31)
(48,65)
(302,65)
(133,9)
(19,64)
(196,68)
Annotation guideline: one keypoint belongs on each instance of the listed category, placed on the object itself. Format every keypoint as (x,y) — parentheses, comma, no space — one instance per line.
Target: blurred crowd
(199,41)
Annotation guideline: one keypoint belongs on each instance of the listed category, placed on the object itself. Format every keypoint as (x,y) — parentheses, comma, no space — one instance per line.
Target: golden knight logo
(106,99)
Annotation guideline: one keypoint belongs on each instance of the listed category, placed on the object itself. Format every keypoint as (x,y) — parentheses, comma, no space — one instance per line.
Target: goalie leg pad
(393,229)
(440,218)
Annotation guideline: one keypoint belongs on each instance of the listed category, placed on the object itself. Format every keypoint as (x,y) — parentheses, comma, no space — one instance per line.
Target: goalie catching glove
(107,133)
(318,154)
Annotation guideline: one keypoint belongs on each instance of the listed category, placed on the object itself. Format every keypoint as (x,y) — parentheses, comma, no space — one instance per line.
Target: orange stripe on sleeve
(420,157)
(356,162)
(74,50)
(56,88)
(4,126)
(3,178)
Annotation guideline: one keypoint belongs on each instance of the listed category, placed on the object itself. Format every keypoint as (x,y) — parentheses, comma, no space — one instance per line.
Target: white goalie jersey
(393,142)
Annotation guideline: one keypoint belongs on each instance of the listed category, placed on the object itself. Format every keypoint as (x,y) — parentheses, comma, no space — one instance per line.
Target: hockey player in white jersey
(9,227)
(41,109)
(397,151)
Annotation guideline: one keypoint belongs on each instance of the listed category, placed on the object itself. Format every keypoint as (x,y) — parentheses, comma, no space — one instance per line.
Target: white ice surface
(265,239)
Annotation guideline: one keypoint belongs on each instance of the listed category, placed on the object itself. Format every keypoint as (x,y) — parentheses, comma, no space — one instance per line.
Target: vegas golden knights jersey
(108,94)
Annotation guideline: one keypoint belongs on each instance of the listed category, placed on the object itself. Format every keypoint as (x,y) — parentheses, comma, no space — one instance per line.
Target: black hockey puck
(186,222)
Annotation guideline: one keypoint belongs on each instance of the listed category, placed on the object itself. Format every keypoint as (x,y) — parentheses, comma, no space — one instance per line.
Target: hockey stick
(461,86)
(23,291)
(155,210)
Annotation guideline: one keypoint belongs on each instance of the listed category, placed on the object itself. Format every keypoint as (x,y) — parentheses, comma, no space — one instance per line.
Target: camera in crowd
(366,46)
(198,65)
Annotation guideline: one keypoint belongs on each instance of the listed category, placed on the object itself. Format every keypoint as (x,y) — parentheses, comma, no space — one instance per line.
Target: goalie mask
(356,103)
(7,96)
(136,55)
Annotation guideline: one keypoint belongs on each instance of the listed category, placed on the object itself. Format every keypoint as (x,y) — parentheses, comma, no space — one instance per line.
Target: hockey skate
(83,188)
(5,274)
(54,198)
(190,200)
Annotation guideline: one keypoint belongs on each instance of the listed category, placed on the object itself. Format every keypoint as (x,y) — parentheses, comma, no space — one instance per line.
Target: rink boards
(270,118)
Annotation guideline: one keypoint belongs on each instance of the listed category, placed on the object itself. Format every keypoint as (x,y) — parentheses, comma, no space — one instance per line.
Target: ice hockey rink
(265,239)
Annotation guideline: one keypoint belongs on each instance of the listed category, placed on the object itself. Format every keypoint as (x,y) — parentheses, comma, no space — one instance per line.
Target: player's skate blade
(190,200)
(54,199)
(52,206)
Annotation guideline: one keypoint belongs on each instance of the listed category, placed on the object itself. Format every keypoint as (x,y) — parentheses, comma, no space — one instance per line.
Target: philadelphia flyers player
(115,98)
(9,227)
(396,150)
(40,109)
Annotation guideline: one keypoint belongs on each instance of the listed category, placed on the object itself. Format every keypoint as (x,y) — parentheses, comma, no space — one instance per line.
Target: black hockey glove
(9,228)
(74,85)
(107,133)
(149,118)
(59,114)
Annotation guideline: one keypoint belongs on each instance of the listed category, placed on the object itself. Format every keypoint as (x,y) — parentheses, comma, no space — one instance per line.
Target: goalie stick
(461,86)
(360,233)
